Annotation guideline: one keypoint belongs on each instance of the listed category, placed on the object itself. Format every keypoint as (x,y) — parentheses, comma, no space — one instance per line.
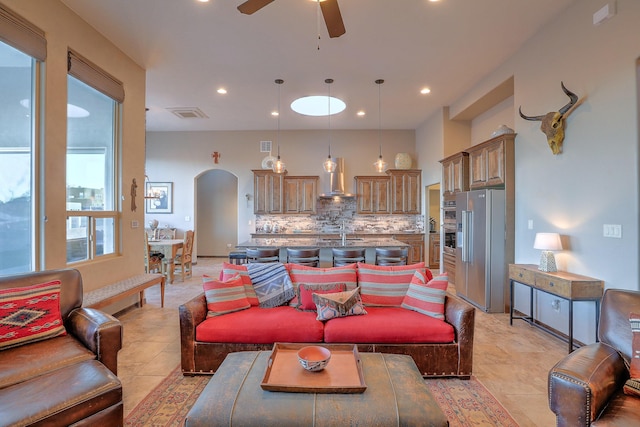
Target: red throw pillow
(632,386)
(306,291)
(427,298)
(231,270)
(339,304)
(386,286)
(224,296)
(29,314)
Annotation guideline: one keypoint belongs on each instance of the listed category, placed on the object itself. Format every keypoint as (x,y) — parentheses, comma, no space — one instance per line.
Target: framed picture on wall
(159,197)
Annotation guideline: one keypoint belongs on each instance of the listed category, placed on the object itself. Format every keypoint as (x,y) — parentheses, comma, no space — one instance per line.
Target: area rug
(464,402)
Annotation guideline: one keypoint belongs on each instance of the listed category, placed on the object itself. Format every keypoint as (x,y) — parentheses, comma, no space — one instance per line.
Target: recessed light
(222,91)
(203,1)
(275,113)
(318,105)
(425,90)
(361,113)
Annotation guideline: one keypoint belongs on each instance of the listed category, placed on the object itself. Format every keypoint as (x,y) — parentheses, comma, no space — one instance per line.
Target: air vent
(265,146)
(188,112)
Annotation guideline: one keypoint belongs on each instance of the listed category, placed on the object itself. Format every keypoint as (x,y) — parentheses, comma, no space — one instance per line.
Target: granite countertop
(328,235)
(327,241)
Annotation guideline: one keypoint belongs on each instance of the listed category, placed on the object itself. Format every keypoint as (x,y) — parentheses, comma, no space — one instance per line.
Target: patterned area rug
(465,403)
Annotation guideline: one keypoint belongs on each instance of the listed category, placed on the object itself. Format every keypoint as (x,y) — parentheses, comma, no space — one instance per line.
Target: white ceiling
(190,49)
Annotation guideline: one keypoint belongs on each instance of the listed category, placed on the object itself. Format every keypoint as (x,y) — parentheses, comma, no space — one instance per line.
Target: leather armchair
(585,387)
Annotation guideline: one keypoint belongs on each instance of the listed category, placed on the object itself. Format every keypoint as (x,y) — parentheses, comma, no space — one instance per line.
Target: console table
(568,286)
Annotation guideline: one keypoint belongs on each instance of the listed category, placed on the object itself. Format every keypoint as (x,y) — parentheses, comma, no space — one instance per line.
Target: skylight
(318,105)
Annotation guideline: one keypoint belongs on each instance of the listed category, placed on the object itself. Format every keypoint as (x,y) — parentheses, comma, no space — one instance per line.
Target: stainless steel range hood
(336,182)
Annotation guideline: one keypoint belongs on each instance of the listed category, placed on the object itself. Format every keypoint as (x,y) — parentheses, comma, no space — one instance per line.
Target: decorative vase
(403,161)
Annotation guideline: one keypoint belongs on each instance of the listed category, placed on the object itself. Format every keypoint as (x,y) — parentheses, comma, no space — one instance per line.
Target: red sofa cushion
(262,326)
(388,325)
(387,285)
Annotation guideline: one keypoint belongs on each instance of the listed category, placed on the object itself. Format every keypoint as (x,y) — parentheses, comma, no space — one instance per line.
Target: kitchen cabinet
(406,190)
(449,264)
(455,173)
(434,251)
(488,162)
(268,190)
(416,246)
(301,193)
(372,194)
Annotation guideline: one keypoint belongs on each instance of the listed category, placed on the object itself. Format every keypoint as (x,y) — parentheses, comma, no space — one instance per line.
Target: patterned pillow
(427,298)
(314,275)
(339,304)
(632,386)
(386,286)
(29,314)
(306,291)
(231,270)
(272,283)
(224,296)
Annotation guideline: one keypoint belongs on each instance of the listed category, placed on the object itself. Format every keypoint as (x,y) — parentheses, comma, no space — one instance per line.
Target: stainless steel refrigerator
(480,248)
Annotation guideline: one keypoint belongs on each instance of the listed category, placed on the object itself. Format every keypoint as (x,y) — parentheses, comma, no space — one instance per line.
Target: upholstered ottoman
(396,395)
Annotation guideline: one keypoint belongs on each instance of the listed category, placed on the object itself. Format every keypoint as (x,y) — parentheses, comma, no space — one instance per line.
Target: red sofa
(439,347)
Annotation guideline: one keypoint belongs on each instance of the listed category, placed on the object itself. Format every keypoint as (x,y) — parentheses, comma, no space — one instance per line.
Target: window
(92,141)
(17,218)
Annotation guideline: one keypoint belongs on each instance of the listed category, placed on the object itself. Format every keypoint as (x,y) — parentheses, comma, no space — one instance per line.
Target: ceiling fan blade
(332,17)
(251,6)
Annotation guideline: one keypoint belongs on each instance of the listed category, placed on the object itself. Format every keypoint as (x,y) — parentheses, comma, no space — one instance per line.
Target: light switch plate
(612,230)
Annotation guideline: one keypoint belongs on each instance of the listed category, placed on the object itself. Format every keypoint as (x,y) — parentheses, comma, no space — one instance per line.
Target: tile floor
(511,361)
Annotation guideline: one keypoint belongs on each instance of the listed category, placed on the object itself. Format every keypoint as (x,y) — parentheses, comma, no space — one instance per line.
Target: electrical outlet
(135,224)
(530,224)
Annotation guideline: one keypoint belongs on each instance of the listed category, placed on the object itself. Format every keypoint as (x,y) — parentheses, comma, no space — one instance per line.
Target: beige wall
(181,156)
(65,30)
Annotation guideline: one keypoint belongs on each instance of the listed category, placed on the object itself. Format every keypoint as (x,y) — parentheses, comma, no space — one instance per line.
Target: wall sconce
(547,242)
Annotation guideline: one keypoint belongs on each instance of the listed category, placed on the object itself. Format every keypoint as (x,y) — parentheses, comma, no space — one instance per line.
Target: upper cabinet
(455,173)
(405,190)
(280,194)
(300,194)
(267,192)
(488,162)
(372,194)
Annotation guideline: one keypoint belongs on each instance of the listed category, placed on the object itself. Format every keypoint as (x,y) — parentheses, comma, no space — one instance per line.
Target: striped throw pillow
(314,275)
(231,270)
(29,314)
(224,296)
(427,298)
(386,286)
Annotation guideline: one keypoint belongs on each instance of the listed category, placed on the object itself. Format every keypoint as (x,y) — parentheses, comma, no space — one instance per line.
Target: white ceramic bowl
(314,358)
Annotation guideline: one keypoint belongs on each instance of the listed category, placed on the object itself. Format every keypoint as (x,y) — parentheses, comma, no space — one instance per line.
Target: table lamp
(547,242)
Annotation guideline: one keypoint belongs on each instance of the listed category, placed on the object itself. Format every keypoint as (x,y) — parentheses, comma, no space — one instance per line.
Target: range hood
(336,182)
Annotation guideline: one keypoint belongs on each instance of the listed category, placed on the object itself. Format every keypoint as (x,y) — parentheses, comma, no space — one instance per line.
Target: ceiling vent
(188,112)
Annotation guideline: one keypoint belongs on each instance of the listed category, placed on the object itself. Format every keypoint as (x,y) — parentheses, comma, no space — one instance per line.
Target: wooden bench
(107,295)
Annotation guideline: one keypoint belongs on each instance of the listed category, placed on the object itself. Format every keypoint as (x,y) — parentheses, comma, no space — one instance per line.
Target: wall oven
(449,224)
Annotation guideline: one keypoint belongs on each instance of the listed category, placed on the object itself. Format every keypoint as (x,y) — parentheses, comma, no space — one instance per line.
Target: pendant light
(329,165)
(278,165)
(380,165)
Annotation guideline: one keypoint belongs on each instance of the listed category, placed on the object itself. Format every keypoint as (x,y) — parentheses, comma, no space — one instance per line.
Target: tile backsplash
(332,213)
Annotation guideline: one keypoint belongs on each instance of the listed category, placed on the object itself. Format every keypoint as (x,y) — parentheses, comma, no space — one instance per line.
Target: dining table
(168,247)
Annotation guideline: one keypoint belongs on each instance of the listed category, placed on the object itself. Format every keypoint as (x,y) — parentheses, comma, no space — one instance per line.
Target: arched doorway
(216,212)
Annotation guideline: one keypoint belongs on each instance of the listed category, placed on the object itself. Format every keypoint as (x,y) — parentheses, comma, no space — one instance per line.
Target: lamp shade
(547,242)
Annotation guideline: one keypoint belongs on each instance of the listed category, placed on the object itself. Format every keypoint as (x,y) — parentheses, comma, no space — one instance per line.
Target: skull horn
(532,118)
(573,99)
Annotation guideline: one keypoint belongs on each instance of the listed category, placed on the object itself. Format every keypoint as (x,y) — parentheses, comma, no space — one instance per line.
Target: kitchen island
(325,244)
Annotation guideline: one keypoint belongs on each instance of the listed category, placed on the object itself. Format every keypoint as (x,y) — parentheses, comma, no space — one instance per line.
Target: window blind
(89,73)
(21,34)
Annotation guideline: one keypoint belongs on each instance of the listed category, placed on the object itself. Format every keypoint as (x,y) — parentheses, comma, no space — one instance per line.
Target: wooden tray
(343,374)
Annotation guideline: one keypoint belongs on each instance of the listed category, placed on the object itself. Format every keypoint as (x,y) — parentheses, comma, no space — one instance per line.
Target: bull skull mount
(553,122)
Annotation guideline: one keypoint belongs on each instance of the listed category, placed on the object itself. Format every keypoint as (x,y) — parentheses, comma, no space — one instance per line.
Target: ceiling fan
(330,12)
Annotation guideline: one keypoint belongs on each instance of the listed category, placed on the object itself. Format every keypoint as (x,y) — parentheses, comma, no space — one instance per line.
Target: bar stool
(343,256)
(391,256)
(304,256)
(237,257)
(263,254)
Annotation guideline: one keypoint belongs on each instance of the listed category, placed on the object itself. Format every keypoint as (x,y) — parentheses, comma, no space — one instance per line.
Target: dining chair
(343,256)
(263,254)
(391,256)
(304,256)
(182,262)
(153,262)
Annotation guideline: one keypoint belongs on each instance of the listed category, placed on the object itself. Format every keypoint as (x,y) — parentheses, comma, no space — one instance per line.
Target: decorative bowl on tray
(314,358)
